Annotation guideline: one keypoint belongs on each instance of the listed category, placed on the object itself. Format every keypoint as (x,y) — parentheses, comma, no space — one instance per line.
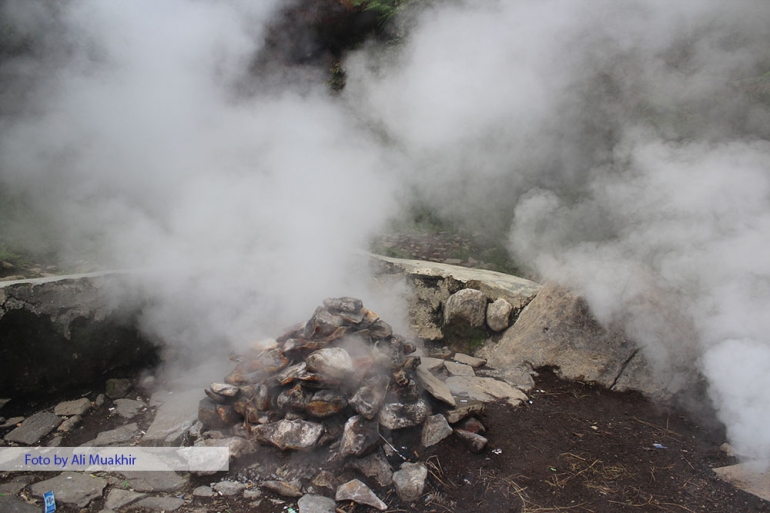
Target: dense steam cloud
(620,147)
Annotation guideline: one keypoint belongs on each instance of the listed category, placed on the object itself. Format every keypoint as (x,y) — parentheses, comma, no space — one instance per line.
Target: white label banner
(111,459)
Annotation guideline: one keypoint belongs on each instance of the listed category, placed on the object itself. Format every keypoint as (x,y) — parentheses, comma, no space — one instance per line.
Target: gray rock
(117,498)
(69,424)
(410,481)
(475,442)
(359,437)
(155,481)
(464,408)
(332,362)
(34,428)
(357,491)
(76,407)
(12,422)
(290,434)
(15,485)
(228,488)
(751,477)
(499,314)
(159,504)
(55,441)
(435,429)
(237,445)
(252,493)
(369,397)
(11,504)
(466,306)
(71,488)
(435,386)
(203,491)
(173,419)
(325,480)
(400,415)
(431,364)
(485,389)
(224,389)
(129,408)
(459,369)
(117,388)
(310,503)
(469,360)
(100,305)
(375,466)
(557,330)
(99,401)
(117,436)
(283,488)
(433,283)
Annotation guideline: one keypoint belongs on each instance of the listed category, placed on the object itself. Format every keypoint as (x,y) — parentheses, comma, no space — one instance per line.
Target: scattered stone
(161,481)
(476,443)
(325,479)
(468,306)
(117,388)
(435,429)
(499,314)
(129,408)
(465,407)
(228,488)
(117,498)
(99,401)
(485,389)
(472,425)
(159,504)
(310,503)
(117,436)
(469,360)
(360,437)
(34,428)
(71,488)
(70,423)
(357,491)
(173,419)
(375,466)
(77,407)
(12,422)
(15,485)
(435,386)
(431,364)
(399,415)
(459,369)
(290,434)
(410,481)
(283,488)
(11,504)
(203,491)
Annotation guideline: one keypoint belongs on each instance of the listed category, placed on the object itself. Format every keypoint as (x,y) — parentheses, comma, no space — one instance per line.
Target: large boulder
(61,332)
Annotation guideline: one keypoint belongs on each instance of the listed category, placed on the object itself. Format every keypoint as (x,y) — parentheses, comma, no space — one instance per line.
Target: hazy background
(618,147)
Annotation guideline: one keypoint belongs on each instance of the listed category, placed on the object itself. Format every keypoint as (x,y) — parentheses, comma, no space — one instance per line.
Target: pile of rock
(346,383)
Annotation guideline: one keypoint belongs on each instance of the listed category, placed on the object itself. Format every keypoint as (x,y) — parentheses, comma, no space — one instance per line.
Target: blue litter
(50,502)
(659,446)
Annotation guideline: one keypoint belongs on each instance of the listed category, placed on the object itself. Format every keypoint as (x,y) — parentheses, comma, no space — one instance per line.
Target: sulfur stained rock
(357,491)
(369,397)
(290,434)
(326,403)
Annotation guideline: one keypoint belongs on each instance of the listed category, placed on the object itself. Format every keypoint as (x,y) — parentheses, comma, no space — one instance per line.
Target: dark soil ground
(573,447)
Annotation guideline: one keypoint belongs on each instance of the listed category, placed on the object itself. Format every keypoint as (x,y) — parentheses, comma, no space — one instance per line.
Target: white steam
(612,142)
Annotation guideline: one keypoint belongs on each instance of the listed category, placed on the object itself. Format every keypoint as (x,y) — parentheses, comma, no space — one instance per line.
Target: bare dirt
(574,447)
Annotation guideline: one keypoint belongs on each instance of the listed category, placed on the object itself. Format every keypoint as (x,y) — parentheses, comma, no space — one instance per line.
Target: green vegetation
(385,8)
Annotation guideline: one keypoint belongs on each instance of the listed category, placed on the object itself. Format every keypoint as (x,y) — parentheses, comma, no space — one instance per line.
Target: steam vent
(348,393)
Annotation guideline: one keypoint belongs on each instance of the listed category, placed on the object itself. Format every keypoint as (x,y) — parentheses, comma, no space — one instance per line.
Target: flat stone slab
(310,503)
(15,485)
(75,488)
(34,428)
(11,422)
(435,386)
(469,360)
(485,389)
(117,436)
(431,364)
(459,369)
(155,481)
(11,504)
(117,498)
(159,504)
(753,477)
(129,408)
(173,418)
(76,407)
